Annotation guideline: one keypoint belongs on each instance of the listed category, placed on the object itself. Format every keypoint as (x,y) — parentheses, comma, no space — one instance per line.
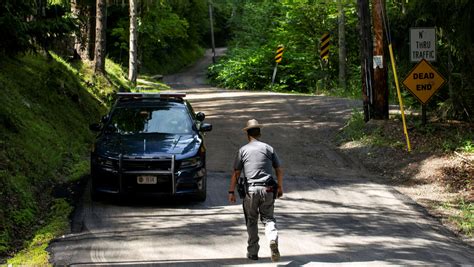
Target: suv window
(164,119)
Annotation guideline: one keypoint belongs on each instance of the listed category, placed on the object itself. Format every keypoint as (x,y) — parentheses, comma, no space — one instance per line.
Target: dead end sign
(423,81)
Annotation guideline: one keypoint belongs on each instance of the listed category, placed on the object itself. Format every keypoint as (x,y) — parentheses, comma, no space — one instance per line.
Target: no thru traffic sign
(422,44)
(423,81)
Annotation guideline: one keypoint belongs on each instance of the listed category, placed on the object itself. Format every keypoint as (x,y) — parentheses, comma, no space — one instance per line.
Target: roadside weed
(468,146)
(465,219)
(354,128)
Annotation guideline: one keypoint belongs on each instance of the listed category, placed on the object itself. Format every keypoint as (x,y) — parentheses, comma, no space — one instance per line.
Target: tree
(101,26)
(83,11)
(342,44)
(133,58)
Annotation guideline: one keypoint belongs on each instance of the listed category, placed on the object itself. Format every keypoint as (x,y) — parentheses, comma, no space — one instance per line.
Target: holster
(242,187)
(272,183)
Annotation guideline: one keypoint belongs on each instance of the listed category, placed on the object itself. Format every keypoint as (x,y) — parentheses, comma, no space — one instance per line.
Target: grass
(146,83)
(432,137)
(35,252)
(466,219)
(467,146)
(45,110)
(354,128)
(462,215)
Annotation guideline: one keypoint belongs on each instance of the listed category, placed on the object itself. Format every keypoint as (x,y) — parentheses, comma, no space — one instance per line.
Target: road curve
(331,213)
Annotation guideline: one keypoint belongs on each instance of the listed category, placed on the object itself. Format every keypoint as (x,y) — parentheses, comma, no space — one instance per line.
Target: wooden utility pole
(366,52)
(380,107)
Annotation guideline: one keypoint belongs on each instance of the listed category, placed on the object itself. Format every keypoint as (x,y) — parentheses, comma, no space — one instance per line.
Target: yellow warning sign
(279,53)
(423,81)
(324,49)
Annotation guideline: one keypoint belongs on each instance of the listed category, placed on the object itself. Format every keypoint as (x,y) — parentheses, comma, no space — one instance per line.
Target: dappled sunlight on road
(330,214)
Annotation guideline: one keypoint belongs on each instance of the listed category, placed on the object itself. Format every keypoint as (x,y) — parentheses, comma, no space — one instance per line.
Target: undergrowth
(466,218)
(57,224)
(45,110)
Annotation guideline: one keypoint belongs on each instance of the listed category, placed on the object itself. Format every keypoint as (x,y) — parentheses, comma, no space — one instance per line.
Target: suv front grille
(132,165)
(162,168)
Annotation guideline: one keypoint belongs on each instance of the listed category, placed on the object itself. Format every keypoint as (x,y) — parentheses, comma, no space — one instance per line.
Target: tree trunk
(211,22)
(342,45)
(404,8)
(366,53)
(133,62)
(84,38)
(101,26)
(380,107)
(76,9)
(90,41)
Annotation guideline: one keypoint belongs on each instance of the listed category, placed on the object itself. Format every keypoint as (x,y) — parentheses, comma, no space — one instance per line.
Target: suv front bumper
(123,179)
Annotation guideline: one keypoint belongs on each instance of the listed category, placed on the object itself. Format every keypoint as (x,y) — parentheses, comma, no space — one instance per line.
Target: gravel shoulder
(429,177)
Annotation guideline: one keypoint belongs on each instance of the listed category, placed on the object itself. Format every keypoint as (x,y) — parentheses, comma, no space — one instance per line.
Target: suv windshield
(166,119)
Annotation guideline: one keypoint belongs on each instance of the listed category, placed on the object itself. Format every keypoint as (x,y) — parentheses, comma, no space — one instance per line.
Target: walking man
(256,160)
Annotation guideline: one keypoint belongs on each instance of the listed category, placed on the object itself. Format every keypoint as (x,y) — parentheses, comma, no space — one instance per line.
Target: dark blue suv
(150,144)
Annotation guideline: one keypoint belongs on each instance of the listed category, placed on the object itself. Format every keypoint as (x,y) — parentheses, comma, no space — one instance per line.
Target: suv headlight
(191,162)
(106,162)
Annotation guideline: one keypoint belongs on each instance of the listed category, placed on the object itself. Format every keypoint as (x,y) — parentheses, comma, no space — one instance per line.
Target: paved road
(331,213)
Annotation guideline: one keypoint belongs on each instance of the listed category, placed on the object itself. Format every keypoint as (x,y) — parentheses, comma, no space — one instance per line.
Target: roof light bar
(124,95)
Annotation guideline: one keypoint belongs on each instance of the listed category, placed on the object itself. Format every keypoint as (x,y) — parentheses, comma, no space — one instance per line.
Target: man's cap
(253,123)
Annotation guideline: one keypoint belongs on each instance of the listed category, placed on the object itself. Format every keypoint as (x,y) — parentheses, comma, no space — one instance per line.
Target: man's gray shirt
(256,159)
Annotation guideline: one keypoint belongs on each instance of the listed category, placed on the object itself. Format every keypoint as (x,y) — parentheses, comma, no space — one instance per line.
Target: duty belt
(258,184)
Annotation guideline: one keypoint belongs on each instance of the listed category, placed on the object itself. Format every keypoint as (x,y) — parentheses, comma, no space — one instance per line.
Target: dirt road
(331,214)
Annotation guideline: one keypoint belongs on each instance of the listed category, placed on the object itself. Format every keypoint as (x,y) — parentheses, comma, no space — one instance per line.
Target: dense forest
(58,55)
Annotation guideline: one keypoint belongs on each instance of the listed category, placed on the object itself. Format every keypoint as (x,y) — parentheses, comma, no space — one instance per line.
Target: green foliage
(24,24)
(170,35)
(45,110)
(372,133)
(467,146)
(253,65)
(223,13)
(14,27)
(354,128)
(259,27)
(455,31)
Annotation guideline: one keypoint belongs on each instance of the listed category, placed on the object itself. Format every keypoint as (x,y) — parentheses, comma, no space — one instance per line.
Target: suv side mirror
(200,116)
(205,127)
(96,127)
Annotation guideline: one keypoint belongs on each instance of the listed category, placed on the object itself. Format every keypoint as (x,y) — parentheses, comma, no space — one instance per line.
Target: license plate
(146,180)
